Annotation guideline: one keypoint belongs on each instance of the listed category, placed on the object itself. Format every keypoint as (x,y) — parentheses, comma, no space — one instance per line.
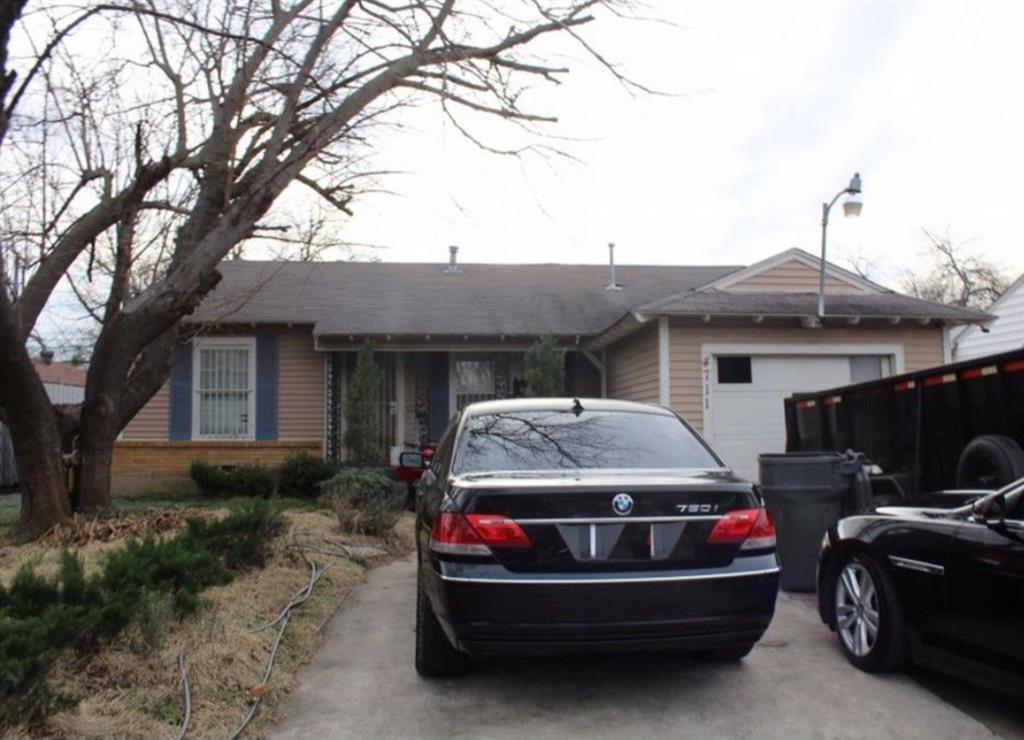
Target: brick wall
(162,467)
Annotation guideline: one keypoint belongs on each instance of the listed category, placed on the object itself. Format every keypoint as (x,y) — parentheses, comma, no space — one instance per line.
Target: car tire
(990,461)
(886,649)
(729,654)
(435,654)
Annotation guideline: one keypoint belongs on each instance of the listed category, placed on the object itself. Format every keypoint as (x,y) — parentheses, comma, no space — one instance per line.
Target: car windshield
(565,440)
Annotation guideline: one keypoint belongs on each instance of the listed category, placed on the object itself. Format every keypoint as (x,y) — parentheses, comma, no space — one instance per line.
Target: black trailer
(954,426)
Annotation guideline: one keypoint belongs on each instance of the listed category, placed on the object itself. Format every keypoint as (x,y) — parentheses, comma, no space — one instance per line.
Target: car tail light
(752,527)
(762,534)
(475,534)
(498,531)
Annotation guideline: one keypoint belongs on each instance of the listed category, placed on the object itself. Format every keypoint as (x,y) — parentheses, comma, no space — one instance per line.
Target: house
(1004,334)
(64,383)
(274,345)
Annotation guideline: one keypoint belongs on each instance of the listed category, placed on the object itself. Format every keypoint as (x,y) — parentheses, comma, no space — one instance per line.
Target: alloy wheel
(857,609)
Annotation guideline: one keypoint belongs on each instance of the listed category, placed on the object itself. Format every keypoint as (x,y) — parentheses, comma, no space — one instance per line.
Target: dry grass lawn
(128,690)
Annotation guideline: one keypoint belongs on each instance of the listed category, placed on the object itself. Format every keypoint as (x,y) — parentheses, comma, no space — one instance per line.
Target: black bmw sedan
(943,588)
(566,525)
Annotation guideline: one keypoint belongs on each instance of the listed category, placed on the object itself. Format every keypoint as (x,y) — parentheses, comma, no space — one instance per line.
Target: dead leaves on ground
(83,531)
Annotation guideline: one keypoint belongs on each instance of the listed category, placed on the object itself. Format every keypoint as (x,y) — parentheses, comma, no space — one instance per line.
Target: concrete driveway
(796,684)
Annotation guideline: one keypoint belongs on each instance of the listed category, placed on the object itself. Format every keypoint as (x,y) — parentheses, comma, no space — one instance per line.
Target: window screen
(734,370)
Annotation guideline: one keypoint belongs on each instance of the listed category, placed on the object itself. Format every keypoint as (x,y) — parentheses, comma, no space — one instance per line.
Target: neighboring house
(1004,334)
(274,346)
(64,383)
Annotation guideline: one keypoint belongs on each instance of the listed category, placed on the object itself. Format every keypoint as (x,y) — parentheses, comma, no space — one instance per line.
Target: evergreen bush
(364,500)
(143,585)
(362,410)
(544,368)
(216,481)
(301,474)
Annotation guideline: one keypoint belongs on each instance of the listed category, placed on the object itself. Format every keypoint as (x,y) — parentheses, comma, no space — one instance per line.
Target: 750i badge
(697,508)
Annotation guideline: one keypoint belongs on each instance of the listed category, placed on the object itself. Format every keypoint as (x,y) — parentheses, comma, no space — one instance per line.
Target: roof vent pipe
(612,284)
(453,255)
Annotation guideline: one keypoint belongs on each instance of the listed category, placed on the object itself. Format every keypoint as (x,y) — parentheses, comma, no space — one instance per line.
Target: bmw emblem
(622,504)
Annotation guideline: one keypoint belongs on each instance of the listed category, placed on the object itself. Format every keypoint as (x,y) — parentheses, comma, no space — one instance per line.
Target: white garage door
(747,392)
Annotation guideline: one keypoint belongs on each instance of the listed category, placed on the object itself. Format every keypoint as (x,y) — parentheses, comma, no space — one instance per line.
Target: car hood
(921,512)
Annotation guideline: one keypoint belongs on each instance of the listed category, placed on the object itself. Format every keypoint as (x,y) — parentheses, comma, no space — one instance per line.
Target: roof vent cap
(453,256)
(612,284)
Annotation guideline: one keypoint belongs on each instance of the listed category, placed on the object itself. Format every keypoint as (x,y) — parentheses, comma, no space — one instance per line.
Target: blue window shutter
(180,416)
(437,379)
(266,386)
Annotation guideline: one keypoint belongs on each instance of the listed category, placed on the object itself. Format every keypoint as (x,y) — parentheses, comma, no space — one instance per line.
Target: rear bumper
(488,610)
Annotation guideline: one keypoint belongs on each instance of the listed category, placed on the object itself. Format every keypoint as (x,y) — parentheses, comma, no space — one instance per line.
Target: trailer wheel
(990,461)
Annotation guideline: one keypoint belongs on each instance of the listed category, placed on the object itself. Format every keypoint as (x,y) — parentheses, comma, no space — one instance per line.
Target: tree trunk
(37,440)
(96,443)
(41,472)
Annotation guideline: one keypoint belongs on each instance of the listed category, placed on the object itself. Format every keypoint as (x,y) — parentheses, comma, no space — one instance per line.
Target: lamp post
(851,209)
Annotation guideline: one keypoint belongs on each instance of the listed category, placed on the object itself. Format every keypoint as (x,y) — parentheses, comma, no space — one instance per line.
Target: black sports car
(560,525)
(943,588)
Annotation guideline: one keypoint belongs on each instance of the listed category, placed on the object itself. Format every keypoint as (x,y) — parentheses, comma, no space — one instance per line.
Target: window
(474,380)
(868,367)
(734,370)
(224,388)
(564,440)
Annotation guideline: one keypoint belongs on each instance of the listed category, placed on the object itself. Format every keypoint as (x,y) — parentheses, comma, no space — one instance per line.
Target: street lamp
(851,209)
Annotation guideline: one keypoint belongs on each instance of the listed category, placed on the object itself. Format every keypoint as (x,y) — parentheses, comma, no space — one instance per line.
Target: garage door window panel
(735,370)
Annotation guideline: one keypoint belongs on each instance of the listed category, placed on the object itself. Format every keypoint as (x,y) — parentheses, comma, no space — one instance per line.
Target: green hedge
(302,474)
(42,617)
(216,481)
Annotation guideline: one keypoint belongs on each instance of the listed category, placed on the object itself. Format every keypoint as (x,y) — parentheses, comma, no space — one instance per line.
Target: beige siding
(153,421)
(300,388)
(632,367)
(793,277)
(922,347)
(300,396)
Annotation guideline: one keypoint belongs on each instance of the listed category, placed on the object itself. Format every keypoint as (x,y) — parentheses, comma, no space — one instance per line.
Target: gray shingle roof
(342,298)
(866,305)
(405,299)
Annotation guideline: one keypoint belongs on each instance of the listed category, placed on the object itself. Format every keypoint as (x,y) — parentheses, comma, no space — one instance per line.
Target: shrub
(364,500)
(544,368)
(301,475)
(243,539)
(145,585)
(362,409)
(215,481)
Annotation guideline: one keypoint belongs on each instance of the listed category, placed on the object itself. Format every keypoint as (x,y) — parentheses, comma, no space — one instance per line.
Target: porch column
(400,399)
(664,386)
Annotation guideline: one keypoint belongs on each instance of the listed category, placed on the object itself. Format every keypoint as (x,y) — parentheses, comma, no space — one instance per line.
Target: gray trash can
(806,493)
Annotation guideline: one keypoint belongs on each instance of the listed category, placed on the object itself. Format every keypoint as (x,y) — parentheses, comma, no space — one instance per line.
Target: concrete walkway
(796,684)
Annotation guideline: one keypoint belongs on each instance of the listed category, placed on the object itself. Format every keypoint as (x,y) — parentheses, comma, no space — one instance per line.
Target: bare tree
(956,276)
(137,157)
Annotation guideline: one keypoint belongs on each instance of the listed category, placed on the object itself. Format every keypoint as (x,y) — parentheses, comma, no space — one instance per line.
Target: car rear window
(565,440)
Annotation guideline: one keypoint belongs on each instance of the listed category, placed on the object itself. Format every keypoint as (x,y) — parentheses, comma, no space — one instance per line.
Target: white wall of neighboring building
(60,393)
(1004,334)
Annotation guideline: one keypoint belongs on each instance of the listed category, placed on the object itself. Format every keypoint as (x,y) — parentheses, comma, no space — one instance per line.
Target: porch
(421,389)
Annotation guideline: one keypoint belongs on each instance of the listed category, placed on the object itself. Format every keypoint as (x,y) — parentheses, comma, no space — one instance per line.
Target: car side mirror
(411,460)
(994,512)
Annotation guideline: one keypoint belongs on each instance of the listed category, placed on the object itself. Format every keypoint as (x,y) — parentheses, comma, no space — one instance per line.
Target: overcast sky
(779,104)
